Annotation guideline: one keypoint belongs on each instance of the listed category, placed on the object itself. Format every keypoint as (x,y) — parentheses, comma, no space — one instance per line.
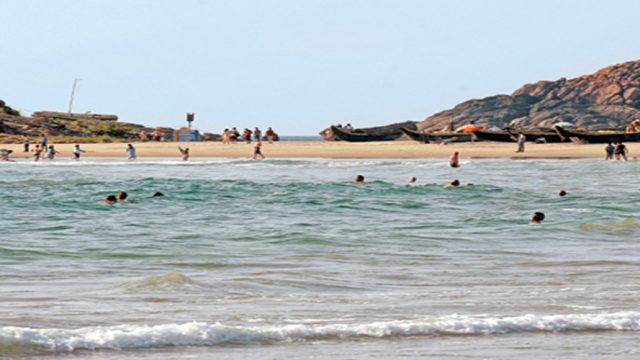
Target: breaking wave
(205,334)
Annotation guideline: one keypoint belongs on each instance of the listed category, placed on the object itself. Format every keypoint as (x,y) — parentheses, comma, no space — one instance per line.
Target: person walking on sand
(131,152)
(521,140)
(76,152)
(454,160)
(257,150)
(184,152)
(609,149)
(621,151)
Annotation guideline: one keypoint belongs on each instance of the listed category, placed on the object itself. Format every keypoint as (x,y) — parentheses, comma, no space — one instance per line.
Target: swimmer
(454,183)
(537,218)
(412,180)
(111,199)
(562,193)
(454,160)
(158,194)
(122,197)
(184,152)
(359,179)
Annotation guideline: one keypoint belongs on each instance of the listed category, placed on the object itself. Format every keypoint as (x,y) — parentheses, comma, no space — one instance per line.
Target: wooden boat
(512,135)
(379,133)
(436,137)
(597,137)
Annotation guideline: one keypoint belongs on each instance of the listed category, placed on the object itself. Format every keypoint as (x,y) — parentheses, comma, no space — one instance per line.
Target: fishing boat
(379,133)
(436,137)
(512,135)
(597,137)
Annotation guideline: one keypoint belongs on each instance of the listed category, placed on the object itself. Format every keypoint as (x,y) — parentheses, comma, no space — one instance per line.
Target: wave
(205,334)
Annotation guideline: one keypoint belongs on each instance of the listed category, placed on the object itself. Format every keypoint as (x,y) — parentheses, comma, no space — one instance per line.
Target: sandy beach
(322,149)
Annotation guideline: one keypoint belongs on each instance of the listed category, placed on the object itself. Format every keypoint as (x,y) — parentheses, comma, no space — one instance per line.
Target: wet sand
(322,149)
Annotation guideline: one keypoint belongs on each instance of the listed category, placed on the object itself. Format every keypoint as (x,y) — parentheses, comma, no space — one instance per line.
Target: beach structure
(184,134)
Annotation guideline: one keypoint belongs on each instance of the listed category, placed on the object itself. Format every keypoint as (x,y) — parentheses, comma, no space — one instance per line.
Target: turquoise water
(289,259)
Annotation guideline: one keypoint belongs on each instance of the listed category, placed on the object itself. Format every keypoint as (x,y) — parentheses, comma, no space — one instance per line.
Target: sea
(288,259)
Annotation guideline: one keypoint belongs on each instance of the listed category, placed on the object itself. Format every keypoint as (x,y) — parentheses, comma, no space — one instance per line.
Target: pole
(73,94)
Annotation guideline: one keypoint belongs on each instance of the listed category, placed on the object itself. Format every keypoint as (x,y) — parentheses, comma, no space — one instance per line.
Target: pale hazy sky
(298,65)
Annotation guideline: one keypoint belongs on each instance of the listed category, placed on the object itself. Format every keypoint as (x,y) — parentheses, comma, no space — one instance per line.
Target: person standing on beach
(521,141)
(609,149)
(4,155)
(184,152)
(77,151)
(51,154)
(454,160)
(25,146)
(131,152)
(37,151)
(257,134)
(43,142)
(621,151)
(257,150)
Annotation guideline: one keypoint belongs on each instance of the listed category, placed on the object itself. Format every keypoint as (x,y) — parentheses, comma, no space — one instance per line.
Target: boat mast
(73,93)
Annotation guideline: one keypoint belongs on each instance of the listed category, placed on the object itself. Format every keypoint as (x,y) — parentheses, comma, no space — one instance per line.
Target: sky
(297,65)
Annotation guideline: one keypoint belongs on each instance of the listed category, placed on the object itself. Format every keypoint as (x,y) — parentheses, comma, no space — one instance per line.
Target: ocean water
(287,259)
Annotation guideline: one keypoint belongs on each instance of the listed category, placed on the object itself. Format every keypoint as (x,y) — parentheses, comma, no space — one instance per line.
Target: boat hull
(598,138)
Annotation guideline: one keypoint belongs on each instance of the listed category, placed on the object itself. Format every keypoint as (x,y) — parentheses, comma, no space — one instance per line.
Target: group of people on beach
(617,149)
(233,135)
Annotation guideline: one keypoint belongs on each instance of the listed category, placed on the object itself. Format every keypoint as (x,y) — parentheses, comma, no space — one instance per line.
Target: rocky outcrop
(609,98)
(65,127)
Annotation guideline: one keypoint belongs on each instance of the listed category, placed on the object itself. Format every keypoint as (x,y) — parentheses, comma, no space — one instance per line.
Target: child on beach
(131,152)
(257,150)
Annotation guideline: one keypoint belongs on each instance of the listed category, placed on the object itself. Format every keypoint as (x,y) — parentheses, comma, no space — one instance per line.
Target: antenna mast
(73,93)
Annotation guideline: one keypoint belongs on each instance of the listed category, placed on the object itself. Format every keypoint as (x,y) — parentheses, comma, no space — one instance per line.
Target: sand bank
(321,149)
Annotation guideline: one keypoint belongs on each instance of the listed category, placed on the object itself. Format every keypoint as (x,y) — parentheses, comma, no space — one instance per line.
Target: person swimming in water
(412,180)
(158,194)
(131,152)
(562,193)
(123,196)
(110,199)
(184,152)
(454,160)
(452,184)
(359,179)
(537,218)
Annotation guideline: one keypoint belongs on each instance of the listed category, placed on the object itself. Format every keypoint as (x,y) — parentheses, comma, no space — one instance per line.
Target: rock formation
(610,98)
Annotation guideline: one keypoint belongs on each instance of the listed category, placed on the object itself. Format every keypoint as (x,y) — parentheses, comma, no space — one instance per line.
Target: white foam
(204,334)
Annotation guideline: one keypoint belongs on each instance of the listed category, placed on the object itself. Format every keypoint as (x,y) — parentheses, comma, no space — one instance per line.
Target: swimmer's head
(562,193)
(455,183)
(122,196)
(537,218)
(158,194)
(413,179)
(358,179)
(110,199)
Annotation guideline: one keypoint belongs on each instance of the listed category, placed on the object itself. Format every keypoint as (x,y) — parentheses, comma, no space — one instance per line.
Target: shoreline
(336,150)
